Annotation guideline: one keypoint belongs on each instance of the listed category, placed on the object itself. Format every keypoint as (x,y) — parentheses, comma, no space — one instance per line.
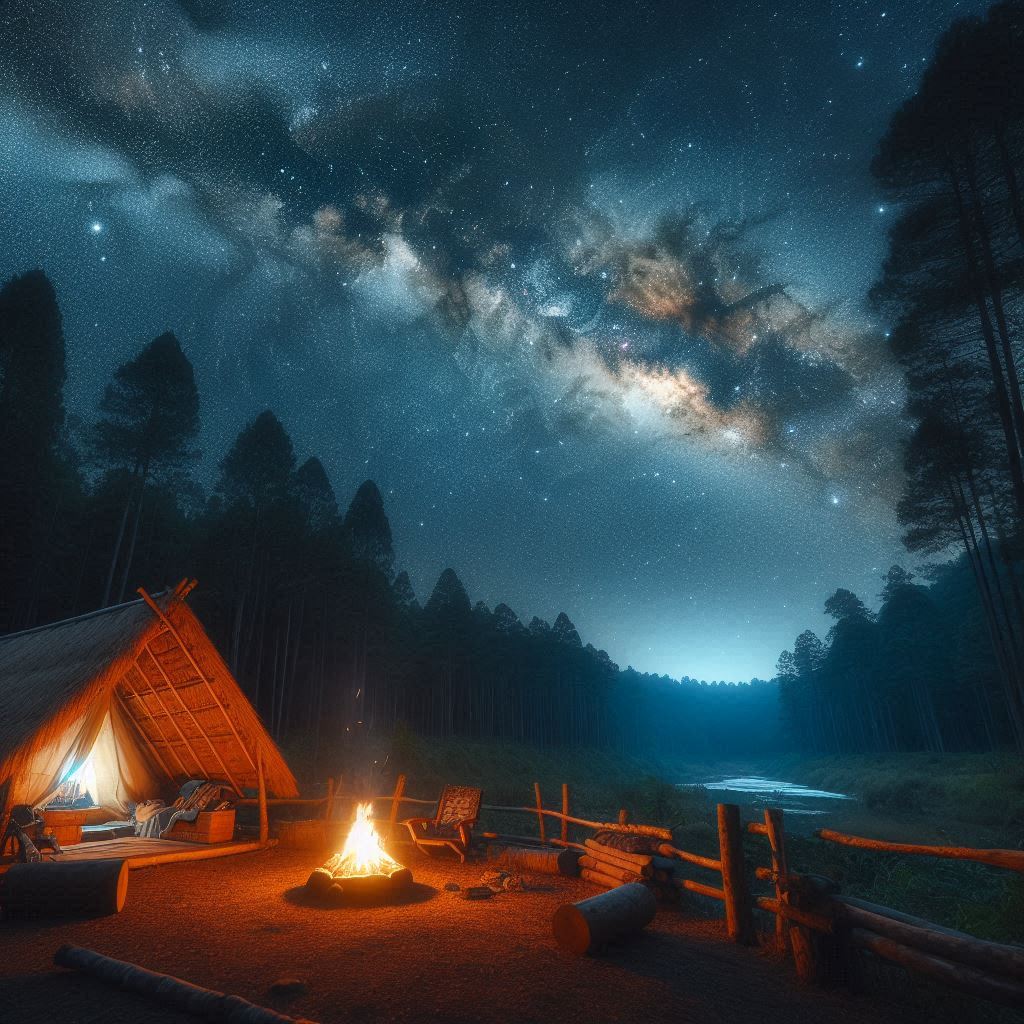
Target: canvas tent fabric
(136,692)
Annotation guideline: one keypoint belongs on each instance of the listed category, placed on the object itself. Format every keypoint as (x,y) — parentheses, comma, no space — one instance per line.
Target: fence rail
(1012,860)
(819,927)
(825,928)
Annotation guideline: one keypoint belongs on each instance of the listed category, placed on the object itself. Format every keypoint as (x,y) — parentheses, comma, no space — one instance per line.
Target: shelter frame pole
(262,798)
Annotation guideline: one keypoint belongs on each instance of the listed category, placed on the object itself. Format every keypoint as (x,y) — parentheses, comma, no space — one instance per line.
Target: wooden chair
(452,825)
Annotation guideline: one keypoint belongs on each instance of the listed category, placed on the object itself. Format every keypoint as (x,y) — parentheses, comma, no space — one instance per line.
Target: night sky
(581,286)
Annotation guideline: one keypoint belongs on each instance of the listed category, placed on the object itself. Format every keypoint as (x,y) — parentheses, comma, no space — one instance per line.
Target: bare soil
(241,924)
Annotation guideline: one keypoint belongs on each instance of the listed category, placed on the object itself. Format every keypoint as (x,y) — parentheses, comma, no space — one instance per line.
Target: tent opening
(78,789)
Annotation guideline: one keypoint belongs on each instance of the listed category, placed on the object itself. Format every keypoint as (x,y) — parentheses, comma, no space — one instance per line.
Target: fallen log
(164,988)
(639,860)
(84,888)
(966,979)
(944,942)
(542,861)
(586,926)
(600,878)
(611,870)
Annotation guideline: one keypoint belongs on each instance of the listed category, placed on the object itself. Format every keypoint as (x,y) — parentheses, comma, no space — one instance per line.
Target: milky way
(581,287)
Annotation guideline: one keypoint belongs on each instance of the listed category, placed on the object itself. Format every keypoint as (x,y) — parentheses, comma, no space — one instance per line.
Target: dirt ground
(239,925)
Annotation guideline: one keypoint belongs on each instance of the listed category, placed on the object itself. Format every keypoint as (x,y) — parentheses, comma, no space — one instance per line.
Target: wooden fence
(820,928)
(824,930)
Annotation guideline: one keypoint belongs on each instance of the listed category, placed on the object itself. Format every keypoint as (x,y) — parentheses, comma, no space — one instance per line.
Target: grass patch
(975,796)
(600,781)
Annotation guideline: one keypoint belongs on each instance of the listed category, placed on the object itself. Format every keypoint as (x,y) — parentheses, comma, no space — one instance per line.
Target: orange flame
(362,853)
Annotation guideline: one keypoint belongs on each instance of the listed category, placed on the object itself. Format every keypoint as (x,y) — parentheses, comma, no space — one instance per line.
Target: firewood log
(636,860)
(611,870)
(585,926)
(599,878)
(84,888)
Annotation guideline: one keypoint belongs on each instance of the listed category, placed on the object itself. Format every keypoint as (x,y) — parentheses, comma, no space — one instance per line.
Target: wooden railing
(818,926)
(823,929)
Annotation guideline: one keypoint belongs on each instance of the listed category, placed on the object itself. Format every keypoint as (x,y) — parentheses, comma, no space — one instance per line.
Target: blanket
(196,796)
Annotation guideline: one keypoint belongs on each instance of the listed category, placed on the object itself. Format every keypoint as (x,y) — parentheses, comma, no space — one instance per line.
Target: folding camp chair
(452,824)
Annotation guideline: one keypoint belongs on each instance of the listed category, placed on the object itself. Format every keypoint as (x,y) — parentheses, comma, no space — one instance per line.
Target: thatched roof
(152,662)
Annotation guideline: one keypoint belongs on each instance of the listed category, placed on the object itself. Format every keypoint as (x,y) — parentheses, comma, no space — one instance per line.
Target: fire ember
(363,872)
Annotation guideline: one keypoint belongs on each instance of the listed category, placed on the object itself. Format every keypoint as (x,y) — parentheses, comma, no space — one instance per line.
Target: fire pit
(364,872)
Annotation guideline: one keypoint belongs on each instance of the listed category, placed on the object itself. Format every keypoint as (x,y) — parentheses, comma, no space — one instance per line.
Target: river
(756,791)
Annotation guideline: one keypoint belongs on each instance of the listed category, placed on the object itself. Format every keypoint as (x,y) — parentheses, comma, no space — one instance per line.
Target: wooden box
(65,824)
(209,827)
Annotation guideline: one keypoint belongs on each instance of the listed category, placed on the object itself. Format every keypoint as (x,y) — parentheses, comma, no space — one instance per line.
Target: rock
(477,892)
(452,887)
(287,988)
(319,882)
(497,880)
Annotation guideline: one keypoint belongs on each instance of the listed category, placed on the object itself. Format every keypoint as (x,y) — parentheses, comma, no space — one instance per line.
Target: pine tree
(369,532)
(565,632)
(150,417)
(315,494)
(31,416)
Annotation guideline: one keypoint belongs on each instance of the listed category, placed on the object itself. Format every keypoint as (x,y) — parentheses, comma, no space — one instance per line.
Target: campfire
(363,872)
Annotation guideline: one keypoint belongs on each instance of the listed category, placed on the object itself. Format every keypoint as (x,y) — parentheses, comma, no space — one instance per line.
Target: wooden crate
(209,827)
(65,824)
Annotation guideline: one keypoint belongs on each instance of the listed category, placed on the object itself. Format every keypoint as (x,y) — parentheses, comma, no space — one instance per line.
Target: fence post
(777,841)
(739,916)
(623,816)
(801,942)
(329,802)
(565,812)
(540,816)
(395,801)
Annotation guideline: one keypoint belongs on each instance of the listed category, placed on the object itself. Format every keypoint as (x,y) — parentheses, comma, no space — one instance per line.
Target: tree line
(303,599)
(943,665)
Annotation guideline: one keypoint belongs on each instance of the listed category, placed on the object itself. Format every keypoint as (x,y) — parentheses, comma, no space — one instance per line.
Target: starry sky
(581,286)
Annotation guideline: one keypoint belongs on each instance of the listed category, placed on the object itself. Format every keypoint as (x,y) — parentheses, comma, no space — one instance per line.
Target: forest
(302,598)
(941,666)
(307,600)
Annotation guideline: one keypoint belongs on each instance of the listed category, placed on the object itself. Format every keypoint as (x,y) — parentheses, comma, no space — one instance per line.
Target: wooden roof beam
(202,675)
(170,749)
(177,728)
(202,731)
(142,732)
